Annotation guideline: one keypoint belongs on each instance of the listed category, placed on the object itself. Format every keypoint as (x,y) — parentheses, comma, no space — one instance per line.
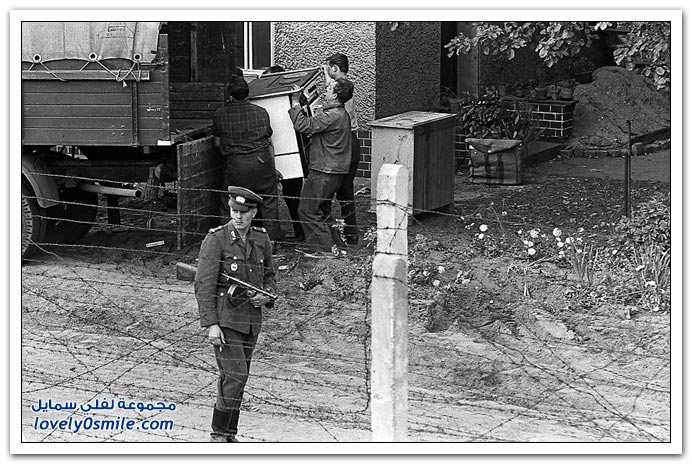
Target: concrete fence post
(389,297)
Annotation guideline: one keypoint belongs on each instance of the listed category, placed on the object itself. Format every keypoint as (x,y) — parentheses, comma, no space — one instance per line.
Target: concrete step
(539,152)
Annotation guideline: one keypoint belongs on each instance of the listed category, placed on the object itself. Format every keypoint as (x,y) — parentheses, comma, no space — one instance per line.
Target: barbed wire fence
(106,318)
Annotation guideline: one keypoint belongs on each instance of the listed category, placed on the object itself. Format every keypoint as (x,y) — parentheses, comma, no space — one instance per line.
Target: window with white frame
(257,45)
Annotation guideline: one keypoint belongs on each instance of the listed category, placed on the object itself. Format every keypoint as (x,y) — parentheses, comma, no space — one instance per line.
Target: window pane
(261,49)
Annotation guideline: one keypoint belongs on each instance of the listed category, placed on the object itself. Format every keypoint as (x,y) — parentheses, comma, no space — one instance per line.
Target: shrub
(649,225)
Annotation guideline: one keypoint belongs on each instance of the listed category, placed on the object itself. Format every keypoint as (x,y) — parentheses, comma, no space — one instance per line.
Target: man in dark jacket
(330,159)
(233,315)
(335,67)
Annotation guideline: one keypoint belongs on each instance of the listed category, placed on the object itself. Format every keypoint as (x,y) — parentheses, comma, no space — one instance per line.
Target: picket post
(389,298)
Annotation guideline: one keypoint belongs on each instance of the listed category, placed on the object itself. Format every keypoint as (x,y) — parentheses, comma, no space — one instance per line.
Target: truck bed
(137,109)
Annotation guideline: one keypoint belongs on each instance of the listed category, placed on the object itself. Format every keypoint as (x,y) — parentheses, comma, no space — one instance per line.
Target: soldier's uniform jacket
(223,251)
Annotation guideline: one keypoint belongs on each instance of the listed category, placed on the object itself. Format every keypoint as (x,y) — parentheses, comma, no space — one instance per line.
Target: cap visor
(238,206)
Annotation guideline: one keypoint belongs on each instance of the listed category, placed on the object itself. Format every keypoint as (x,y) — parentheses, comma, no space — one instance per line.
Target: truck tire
(33,221)
(73,217)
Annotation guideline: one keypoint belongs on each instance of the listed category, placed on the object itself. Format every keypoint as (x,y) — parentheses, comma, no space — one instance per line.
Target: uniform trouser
(256,172)
(345,194)
(233,360)
(292,189)
(318,190)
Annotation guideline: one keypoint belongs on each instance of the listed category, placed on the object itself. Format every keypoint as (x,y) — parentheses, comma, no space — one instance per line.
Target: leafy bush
(491,117)
(648,226)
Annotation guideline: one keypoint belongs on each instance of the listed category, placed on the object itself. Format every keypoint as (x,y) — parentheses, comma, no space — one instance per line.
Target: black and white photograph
(345,232)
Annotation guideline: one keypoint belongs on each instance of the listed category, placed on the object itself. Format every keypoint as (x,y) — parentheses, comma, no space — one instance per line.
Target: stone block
(652,148)
(637,149)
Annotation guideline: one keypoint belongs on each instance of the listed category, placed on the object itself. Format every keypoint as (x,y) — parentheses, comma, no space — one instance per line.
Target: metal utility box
(273,92)
(423,142)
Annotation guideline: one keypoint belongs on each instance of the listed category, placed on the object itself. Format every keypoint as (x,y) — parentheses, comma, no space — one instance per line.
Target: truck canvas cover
(89,41)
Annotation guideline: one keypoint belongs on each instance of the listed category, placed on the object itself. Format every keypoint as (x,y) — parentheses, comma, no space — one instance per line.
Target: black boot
(233,425)
(219,426)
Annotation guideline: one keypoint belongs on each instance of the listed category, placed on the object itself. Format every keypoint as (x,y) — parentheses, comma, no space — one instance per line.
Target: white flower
(483,227)
(543,235)
(557,232)
(614,252)
(580,230)
(561,254)
(568,240)
(578,250)
(519,232)
(639,268)
(440,269)
(529,243)
(533,233)
(531,251)
(426,273)
(436,283)
(560,244)
(481,236)
(651,283)
(504,213)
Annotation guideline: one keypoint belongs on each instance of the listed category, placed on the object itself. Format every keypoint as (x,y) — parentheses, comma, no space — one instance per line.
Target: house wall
(393,71)
(307,44)
(408,68)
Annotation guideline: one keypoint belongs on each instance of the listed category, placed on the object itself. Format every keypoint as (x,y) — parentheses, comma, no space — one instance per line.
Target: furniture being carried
(274,93)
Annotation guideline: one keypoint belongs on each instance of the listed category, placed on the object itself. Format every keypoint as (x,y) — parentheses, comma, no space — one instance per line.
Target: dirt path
(654,166)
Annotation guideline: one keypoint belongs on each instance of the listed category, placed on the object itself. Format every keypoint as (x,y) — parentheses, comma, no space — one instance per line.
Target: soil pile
(605,105)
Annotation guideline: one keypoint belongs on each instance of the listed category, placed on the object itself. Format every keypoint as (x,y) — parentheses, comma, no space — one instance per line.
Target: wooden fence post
(389,345)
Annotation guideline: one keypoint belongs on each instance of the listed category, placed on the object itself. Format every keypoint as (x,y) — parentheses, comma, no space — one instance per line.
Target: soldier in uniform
(233,316)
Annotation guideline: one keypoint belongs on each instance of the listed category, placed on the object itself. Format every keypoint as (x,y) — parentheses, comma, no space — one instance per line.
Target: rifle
(187,272)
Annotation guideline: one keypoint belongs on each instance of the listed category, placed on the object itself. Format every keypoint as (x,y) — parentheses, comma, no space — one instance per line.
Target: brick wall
(365,139)
(554,117)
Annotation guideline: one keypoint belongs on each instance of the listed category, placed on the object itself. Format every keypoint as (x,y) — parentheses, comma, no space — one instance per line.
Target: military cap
(242,199)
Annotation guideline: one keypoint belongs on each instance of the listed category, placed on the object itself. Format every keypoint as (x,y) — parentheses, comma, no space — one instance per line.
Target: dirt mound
(614,96)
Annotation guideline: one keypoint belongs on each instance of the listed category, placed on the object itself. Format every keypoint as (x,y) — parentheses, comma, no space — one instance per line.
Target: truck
(106,106)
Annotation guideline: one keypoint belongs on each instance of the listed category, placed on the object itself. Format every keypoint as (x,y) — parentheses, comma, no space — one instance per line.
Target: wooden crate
(423,142)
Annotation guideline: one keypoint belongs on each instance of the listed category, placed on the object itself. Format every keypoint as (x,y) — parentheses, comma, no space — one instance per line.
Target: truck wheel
(33,221)
(73,217)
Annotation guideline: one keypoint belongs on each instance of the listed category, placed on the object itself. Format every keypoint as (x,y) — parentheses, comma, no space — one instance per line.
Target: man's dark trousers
(345,194)
(318,191)
(257,172)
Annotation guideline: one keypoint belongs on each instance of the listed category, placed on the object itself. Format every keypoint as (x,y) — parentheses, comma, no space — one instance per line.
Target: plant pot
(567,94)
(519,93)
(501,90)
(541,93)
(554,94)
